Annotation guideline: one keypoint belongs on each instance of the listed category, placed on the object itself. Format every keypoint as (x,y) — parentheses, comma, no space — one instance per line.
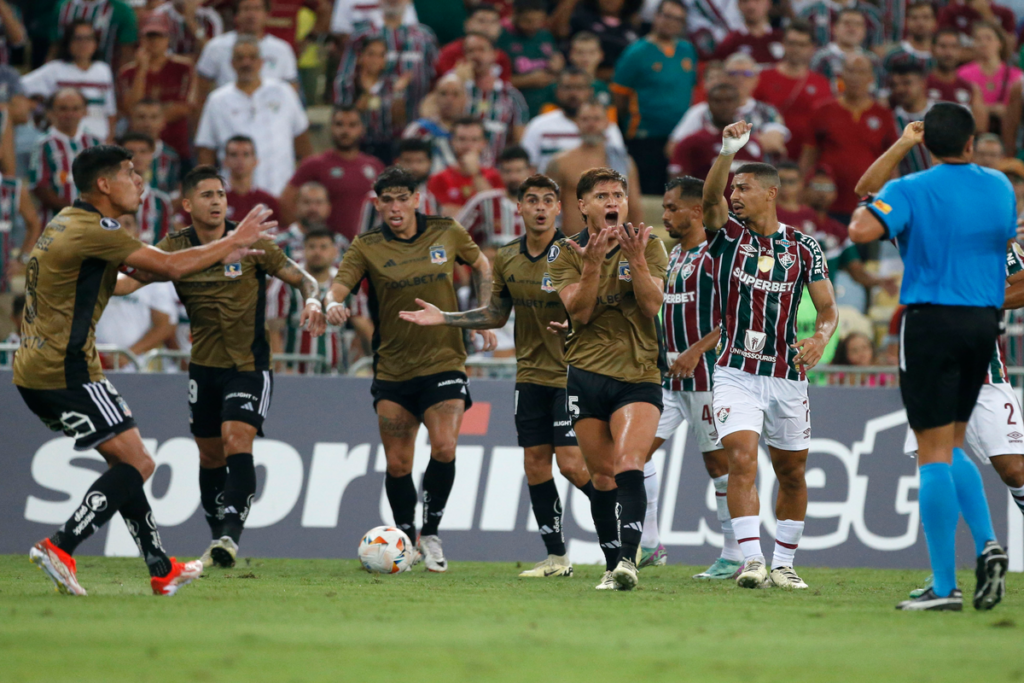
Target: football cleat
(223,552)
(58,565)
(607,583)
(721,570)
(433,555)
(785,577)
(625,575)
(652,557)
(553,565)
(929,601)
(918,592)
(754,574)
(181,574)
(991,575)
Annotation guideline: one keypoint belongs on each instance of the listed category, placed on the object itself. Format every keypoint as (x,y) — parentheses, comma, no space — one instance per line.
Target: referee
(952,223)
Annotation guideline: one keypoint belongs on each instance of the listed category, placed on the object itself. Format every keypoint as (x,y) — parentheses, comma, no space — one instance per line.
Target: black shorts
(944,357)
(90,414)
(589,394)
(541,416)
(419,393)
(218,395)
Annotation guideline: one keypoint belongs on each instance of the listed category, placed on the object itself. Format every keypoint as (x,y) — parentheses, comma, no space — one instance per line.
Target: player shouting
(610,277)
(522,284)
(761,268)
(70,275)
(230,383)
(419,375)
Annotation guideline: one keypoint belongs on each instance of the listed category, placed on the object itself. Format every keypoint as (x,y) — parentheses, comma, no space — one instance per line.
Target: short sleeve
(207,65)
(892,208)
(299,120)
(272,259)
(815,266)
(1011,210)
(206,134)
(657,257)
(111,245)
(466,250)
(127,24)
(718,239)
(341,17)
(499,288)
(39,82)
(625,71)
(110,99)
(303,174)
(562,267)
(353,267)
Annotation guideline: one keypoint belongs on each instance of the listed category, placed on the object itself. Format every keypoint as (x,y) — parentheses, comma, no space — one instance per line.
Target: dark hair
(947,31)
(245,139)
(18,305)
(918,4)
(415,145)
(908,68)
(947,128)
(394,176)
(849,10)
(842,355)
(64,51)
(787,165)
(468,121)
(801,26)
(149,102)
(678,3)
(482,7)
(514,153)
(317,233)
(538,180)
(584,36)
(133,136)
(370,40)
(571,70)
(96,162)
(629,7)
(689,187)
(1004,40)
(478,34)
(266,4)
(520,6)
(764,173)
(593,176)
(344,109)
(198,175)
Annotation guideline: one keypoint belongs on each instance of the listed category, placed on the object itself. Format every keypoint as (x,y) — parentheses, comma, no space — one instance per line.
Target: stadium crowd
(302,103)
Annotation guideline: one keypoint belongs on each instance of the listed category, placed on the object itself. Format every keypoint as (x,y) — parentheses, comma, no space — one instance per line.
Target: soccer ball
(385,550)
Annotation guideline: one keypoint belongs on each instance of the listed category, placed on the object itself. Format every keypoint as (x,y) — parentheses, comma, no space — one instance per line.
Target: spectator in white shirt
(215,67)
(265,109)
(348,13)
(140,321)
(78,66)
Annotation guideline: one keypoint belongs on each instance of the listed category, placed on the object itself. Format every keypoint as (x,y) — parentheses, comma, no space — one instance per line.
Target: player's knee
(1010,469)
(537,469)
(791,476)
(209,460)
(399,468)
(143,462)
(741,464)
(443,452)
(603,481)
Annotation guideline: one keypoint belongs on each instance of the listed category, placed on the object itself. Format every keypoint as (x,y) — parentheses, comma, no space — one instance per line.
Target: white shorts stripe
(265,395)
(101,391)
(95,393)
(903,353)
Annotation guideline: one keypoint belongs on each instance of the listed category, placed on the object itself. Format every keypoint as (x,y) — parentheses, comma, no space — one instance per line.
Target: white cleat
(223,552)
(433,555)
(754,574)
(625,575)
(553,565)
(607,583)
(785,577)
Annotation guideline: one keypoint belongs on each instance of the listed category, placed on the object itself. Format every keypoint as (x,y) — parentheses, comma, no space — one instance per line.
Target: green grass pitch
(324,620)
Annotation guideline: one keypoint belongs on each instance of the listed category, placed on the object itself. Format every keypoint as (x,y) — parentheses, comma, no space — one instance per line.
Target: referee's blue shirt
(951,223)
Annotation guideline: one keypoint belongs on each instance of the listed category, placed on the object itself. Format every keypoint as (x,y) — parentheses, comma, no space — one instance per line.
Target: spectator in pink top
(999,82)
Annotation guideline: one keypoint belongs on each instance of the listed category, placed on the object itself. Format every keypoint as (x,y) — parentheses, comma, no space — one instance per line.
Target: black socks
(239,490)
(632,509)
(105,497)
(547,508)
(603,508)
(437,484)
(402,496)
(139,518)
(211,490)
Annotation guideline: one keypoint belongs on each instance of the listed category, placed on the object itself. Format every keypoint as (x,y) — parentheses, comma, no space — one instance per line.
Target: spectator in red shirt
(481,19)
(158,75)
(695,154)
(849,134)
(944,84)
(240,162)
(756,38)
(347,173)
(455,185)
(283,17)
(961,15)
(792,88)
(789,206)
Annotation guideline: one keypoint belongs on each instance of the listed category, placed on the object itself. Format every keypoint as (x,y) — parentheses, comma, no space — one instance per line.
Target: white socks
(1018,496)
(730,549)
(650,538)
(787,538)
(748,536)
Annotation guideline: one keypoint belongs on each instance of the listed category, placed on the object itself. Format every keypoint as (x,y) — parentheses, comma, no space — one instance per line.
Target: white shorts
(697,409)
(996,426)
(775,407)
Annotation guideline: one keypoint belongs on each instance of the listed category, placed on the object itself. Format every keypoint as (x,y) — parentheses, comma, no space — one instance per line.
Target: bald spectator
(757,38)
(240,162)
(192,26)
(447,104)
(266,110)
(346,172)
(484,19)
(53,155)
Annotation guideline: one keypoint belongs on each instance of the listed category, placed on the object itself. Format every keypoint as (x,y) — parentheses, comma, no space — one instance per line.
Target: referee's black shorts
(944,357)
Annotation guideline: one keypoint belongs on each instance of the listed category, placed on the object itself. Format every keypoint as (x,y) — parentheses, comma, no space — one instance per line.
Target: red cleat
(58,565)
(181,574)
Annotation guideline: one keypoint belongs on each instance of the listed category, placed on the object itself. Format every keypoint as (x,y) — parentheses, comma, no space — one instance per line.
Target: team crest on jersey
(438,254)
(233,270)
(786,259)
(624,273)
(545,284)
(687,270)
(723,414)
(748,249)
(109,224)
(553,253)
(754,341)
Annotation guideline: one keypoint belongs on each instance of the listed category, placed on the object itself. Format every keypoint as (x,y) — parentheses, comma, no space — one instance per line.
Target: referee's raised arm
(951,224)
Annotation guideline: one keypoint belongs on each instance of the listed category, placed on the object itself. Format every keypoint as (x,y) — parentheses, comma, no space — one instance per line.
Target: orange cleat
(58,565)
(181,574)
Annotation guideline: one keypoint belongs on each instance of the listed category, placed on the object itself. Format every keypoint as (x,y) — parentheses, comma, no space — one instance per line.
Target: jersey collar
(524,250)
(193,237)
(584,237)
(85,206)
(421,226)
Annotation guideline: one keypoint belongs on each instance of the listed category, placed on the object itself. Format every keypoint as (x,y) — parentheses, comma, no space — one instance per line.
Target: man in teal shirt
(535,58)
(653,85)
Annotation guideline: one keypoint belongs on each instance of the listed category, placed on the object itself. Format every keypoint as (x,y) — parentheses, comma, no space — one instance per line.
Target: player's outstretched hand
(684,365)
(337,313)
(597,246)
(558,328)
(255,226)
(488,340)
(808,352)
(429,314)
(312,318)
(633,243)
(914,133)
(734,136)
